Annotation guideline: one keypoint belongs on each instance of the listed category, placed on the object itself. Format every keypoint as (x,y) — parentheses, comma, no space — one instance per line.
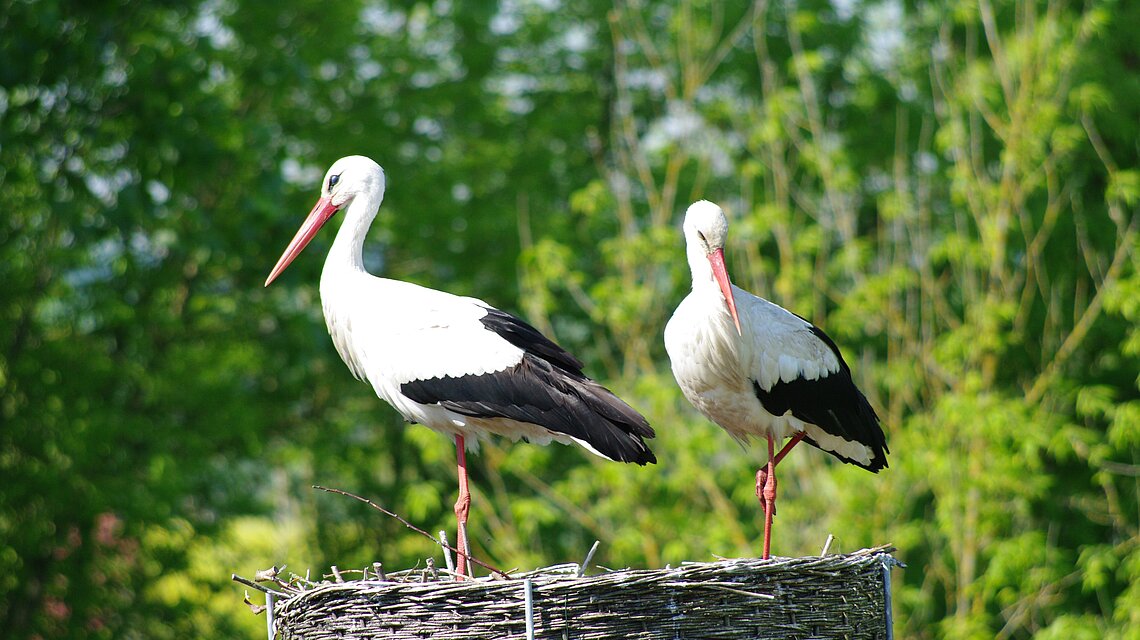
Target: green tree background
(951,189)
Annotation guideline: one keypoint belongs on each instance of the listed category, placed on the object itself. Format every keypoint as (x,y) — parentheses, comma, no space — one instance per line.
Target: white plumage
(759,370)
(400,332)
(454,364)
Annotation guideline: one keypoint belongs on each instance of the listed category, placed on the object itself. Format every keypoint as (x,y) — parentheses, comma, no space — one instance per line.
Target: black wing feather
(522,335)
(834,404)
(547,388)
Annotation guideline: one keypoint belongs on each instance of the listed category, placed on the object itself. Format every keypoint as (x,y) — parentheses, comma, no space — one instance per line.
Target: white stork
(759,370)
(454,364)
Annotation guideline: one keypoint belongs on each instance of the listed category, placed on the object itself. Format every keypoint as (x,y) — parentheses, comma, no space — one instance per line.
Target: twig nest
(839,596)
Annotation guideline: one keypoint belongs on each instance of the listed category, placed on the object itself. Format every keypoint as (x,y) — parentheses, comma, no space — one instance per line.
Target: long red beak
(716,258)
(322,211)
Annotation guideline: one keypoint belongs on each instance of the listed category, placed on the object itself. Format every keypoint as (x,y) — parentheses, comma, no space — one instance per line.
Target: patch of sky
(682,127)
(208,24)
(158,192)
(514,87)
(382,20)
(507,20)
(844,9)
(364,66)
(925,162)
(428,127)
(652,80)
(328,70)
(884,34)
(106,187)
(298,174)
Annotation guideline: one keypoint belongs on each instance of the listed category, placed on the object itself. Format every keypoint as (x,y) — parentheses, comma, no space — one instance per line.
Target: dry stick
(250,583)
(270,574)
(589,556)
(446,553)
(466,545)
(827,545)
(410,526)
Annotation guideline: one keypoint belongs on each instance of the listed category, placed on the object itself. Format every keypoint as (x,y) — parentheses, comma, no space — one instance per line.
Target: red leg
(768,496)
(462,506)
(788,447)
(766,485)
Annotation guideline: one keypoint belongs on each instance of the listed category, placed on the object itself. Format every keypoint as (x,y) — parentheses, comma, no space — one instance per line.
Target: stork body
(759,370)
(454,364)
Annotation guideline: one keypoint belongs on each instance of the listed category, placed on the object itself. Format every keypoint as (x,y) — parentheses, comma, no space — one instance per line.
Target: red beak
(322,211)
(716,258)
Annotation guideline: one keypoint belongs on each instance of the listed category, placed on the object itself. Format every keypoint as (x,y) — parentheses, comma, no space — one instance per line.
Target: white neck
(347,250)
(700,267)
(344,268)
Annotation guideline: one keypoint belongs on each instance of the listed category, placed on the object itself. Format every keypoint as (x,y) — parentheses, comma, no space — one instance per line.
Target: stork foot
(764,492)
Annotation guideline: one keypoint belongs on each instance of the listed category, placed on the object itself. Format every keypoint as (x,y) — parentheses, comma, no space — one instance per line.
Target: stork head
(346,179)
(706,229)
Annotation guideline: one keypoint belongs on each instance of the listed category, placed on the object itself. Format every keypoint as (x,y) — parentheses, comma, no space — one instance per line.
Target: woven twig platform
(838,596)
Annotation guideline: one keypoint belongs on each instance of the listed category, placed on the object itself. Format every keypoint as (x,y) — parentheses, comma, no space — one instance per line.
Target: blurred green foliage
(950,189)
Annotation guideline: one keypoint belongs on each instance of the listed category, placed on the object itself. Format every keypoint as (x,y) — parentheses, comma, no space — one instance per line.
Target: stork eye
(701,235)
(333,180)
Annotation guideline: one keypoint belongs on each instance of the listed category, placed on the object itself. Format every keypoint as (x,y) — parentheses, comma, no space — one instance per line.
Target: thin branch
(1088,318)
(495,455)
(729,43)
(410,526)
